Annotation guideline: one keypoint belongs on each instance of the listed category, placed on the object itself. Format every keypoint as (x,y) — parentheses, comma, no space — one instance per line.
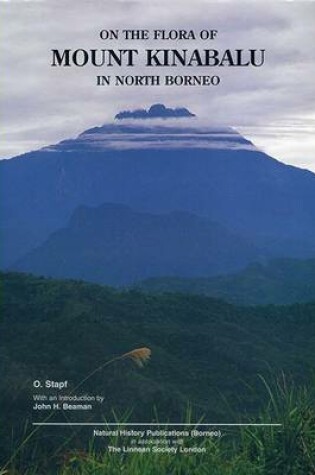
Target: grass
(285,450)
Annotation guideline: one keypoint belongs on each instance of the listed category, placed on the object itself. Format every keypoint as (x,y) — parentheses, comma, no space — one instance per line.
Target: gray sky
(273,106)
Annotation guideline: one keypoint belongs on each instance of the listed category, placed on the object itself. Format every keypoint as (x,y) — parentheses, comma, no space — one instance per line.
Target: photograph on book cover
(157,237)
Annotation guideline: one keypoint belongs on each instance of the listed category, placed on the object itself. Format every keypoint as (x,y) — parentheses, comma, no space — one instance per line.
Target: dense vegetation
(279,281)
(205,353)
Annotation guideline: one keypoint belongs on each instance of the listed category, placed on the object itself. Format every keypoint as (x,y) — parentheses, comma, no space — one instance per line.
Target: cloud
(165,138)
(43,105)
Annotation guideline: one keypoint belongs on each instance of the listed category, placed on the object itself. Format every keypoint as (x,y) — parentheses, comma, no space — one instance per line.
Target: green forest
(278,281)
(216,361)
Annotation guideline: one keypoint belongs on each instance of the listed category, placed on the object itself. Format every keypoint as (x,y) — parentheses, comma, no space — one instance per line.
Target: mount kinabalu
(159,167)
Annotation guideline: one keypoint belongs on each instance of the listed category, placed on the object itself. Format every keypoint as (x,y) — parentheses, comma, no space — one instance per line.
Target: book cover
(157,237)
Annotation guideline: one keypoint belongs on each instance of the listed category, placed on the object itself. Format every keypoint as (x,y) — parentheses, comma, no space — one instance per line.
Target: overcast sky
(273,105)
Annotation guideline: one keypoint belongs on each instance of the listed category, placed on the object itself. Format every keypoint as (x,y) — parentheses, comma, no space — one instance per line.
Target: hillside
(200,346)
(205,353)
(279,281)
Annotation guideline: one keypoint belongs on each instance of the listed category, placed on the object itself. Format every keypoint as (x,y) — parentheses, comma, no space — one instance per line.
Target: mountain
(280,281)
(156,111)
(159,165)
(112,244)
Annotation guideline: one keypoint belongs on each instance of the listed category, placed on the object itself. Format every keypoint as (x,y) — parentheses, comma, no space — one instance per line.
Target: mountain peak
(156,111)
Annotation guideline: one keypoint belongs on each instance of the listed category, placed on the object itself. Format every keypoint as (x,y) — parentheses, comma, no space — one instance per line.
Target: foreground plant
(139,356)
